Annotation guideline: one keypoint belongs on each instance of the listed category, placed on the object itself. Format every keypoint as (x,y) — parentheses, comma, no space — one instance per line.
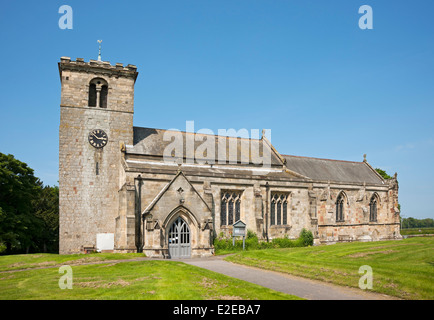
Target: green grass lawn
(402,268)
(150,280)
(40,260)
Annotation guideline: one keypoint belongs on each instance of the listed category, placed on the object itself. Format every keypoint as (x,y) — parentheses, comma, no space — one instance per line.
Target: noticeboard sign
(239,229)
(238,232)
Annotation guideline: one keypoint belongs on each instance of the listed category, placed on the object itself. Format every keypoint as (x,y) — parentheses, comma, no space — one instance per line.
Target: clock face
(98,138)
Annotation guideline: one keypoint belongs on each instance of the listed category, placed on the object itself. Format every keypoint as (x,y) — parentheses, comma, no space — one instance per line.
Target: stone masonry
(89,201)
(127,197)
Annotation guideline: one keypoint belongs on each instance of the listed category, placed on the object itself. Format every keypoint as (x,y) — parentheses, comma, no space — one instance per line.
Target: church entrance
(179,239)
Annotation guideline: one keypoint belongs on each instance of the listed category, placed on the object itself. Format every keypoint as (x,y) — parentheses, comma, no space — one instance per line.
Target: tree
(417,223)
(383,174)
(28,210)
(18,188)
(46,208)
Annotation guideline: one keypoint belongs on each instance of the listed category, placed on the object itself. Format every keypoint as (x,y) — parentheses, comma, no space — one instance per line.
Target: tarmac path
(298,286)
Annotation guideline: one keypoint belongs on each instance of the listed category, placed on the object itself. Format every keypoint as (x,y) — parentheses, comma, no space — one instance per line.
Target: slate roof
(333,170)
(151,141)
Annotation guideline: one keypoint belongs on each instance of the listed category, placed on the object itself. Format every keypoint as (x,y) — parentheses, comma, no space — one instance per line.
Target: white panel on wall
(105,241)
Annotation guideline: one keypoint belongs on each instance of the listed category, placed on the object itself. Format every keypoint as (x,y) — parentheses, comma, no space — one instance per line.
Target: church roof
(333,170)
(152,142)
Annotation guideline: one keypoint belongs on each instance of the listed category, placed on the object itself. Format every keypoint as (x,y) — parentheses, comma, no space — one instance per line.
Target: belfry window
(92,95)
(103,96)
(340,207)
(230,208)
(373,208)
(279,209)
(98,93)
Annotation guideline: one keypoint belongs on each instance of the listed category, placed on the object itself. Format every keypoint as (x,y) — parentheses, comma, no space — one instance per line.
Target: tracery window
(230,207)
(373,208)
(279,209)
(340,207)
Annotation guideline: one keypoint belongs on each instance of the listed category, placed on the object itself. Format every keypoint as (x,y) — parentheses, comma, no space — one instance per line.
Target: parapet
(98,67)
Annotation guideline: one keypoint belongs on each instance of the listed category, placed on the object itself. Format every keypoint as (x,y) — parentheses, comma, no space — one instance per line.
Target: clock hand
(99,138)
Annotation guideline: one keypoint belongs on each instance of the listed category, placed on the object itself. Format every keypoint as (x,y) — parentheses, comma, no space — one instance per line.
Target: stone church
(120,193)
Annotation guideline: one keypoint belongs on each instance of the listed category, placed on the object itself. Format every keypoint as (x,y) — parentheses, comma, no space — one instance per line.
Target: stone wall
(311,206)
(89,195)
(253,207)
(357,225)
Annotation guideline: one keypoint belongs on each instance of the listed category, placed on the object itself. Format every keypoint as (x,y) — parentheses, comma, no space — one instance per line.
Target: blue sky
(303,69)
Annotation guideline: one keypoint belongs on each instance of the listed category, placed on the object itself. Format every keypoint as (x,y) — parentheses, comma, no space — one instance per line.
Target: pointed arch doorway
(179,239)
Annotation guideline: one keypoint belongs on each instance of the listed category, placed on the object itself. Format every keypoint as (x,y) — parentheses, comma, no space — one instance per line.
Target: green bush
(224,244)
(251,235)
(306,237)
(286,243)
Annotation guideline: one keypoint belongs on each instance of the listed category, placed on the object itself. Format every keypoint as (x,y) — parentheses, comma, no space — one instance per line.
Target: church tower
(96,116)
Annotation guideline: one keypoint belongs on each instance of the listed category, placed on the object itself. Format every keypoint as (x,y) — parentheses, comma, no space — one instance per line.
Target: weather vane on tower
(99,52)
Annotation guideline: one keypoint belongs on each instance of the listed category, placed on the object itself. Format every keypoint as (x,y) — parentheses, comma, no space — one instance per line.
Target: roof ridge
(205,134)
(287,155)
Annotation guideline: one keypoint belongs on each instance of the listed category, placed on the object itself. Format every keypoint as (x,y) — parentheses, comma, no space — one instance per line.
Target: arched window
(340,207)
(98,92)
(373,208)
(230,208)
(279,209)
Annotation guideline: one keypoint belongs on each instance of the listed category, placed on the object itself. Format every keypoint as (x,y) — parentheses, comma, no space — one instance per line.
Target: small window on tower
(92,95)
(103,96)
(98,93)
